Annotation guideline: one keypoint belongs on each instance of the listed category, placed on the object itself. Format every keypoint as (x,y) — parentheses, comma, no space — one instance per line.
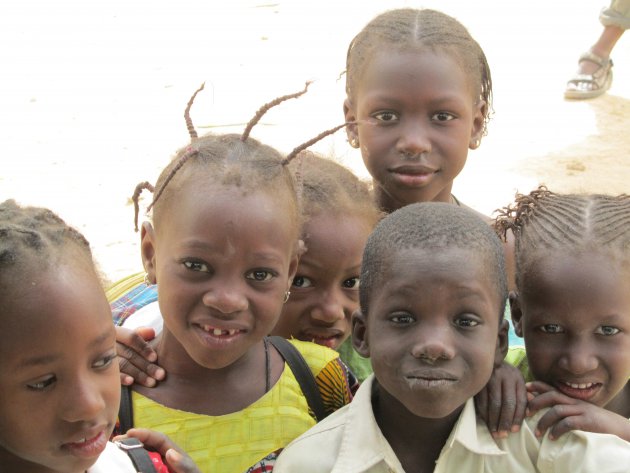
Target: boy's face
(431,331)
(325,290)
(574,313)
(59,379)
(223,263)
(416,119)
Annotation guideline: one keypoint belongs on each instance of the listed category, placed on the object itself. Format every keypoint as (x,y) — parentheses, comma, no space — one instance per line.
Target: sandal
(587,86)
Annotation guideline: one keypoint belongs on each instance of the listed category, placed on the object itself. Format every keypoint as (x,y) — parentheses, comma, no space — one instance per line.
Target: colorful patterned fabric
(128,295)
(234,442)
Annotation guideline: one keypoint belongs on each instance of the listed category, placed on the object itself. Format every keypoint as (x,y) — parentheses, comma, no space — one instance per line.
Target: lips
(218,332)
(583,391)
(413,176)
(430,379)
(89,446)
(328,339)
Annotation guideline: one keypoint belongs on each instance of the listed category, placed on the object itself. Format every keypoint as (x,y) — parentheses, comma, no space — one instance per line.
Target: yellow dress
(233,442)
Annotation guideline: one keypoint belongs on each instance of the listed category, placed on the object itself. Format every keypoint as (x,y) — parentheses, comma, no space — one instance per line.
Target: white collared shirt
(350,441)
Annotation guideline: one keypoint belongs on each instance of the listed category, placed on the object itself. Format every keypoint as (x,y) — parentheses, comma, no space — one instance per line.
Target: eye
(351,283)
(260,275)
(104,362)
(442,116)
(42,384)
(301,282)
(607,330)
(197,266)
(386,117)
(402,319)
(466,322)
(551,328)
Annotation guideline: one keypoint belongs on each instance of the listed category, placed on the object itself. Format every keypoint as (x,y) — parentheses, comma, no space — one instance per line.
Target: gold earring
(354,142)
(286,297)
(146,280)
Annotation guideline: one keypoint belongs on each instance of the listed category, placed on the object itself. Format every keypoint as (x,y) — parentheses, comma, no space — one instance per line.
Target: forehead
(421,69)
(259,215)
(54,311)
(336,233)
(578,278)
(424,270)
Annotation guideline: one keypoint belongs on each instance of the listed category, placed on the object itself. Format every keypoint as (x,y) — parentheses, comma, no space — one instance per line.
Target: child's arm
(176,459)
(136,357)
(567,413)
(502,403)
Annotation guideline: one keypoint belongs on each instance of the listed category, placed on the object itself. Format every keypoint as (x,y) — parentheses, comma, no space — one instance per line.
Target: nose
(578,358)
(414,139)
(433,343)
(85,400)
(330,308)
(225,298)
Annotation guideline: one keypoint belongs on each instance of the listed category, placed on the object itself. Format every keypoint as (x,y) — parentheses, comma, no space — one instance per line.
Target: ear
(480,111)
(147,250)
(351,130)
(502,343)
(360,340)
(516,313)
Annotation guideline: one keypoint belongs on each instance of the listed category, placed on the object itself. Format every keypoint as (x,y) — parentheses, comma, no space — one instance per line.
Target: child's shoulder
(316,356)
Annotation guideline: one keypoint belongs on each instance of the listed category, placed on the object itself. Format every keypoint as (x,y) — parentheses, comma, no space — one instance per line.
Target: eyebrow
(52,357)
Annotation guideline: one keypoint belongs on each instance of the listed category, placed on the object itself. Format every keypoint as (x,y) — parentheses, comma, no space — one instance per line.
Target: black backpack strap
(137,454)
(302,373)
(125,411)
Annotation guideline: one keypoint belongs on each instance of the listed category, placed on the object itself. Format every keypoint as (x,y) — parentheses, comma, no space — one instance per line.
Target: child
(339,214)
(59,399)
(419,93)
(432,292)
(223,247)
(572,306)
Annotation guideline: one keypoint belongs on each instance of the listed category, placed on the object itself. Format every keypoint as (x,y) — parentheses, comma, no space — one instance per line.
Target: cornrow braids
(545,221)
(33,233)
(414,29)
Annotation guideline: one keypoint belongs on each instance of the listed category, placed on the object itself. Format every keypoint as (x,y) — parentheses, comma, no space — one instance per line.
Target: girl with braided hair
(59,380)
(223,246)
(572,306)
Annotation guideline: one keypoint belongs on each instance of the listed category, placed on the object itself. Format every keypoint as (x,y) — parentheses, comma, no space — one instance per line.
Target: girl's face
(223,261)
(417,116)
(325,290)
(574,313)
(59,381)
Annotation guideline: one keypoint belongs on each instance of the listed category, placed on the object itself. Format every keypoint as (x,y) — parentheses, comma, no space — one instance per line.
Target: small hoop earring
(146,280)
(354,143)
(286,297)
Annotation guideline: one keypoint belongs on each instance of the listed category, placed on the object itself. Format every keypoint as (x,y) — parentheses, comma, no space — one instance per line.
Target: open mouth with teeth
(217,332)
(582,391)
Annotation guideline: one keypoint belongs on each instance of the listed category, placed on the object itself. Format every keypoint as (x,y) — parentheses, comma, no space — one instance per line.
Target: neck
(417,441)
(389,204)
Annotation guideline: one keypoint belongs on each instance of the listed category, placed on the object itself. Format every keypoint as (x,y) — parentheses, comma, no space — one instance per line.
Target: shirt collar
(363,444)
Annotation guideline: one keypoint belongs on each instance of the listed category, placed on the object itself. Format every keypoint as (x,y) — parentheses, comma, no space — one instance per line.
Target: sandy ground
(92,95)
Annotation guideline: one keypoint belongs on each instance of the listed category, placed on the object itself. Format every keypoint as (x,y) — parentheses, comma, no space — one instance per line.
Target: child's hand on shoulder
(136,357)
(176,459)
(502,403)
(566,414)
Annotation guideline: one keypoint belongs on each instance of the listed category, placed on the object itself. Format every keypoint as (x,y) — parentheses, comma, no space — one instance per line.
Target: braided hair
(543,221)
(34,236)
(229,159)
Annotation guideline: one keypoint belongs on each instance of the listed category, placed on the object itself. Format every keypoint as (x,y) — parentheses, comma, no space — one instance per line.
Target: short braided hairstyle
(543,221)
(413,29)
(34,236)
(434,226)
(327,187)
(229,160)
